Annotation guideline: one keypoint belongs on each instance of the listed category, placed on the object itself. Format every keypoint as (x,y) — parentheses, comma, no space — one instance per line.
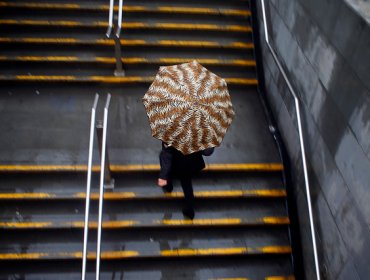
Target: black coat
(175,164)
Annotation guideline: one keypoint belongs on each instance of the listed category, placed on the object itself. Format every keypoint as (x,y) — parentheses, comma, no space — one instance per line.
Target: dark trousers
(187,187)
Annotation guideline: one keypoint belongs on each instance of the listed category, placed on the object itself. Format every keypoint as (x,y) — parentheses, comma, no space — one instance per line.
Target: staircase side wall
(324,45)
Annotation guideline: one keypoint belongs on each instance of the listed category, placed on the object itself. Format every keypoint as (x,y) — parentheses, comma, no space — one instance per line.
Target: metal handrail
(301,139)
(120,8)
(110,22)
(101,192)
(88,186)
(117,43)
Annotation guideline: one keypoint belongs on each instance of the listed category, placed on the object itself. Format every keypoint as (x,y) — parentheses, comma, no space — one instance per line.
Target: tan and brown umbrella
(189,107)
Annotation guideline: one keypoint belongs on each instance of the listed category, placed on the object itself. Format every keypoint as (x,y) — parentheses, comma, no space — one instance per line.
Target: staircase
(54,57)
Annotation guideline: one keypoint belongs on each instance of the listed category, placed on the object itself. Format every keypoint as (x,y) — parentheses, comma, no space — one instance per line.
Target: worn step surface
(239,215)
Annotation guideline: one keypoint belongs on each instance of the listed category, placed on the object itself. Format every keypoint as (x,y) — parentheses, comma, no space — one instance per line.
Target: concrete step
(105,79)
(135,210)
(221,268)
(141,4)
(126,43)
(221,167)
(127,60)
(148,252)
(147,194)
(230,222)
(104,66)
(61,183)
(127,9)
(166,26)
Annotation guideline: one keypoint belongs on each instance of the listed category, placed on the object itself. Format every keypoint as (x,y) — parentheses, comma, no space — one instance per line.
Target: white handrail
(301,139)
(88,186)
(101,193)
(110,22)
(120,8)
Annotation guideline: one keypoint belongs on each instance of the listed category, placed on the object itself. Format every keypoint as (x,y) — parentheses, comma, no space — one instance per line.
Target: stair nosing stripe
(172,253)
(129,25)
(216,222)
(106,79)
(129,60)
(128,43)
(260,167)
(132,9)
(290,277)
(212,194)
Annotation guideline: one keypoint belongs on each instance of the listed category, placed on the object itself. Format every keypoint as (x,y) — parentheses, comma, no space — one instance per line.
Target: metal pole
(301,139)
(110,20)
(88,187)
(120,7)
(118,54)
(117,43)
(108,180)
(101,192)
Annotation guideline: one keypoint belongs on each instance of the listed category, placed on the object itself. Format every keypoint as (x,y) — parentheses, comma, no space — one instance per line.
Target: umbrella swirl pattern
(188,107)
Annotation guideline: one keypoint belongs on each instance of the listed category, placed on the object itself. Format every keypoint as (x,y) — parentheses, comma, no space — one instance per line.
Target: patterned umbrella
(189,107)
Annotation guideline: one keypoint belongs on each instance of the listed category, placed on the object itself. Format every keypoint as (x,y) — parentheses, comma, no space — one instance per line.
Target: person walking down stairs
(183,167)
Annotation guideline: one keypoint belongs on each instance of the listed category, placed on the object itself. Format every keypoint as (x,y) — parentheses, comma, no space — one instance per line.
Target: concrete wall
(324,45)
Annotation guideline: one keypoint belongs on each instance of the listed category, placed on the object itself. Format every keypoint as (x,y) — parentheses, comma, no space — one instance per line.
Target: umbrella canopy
(189,107)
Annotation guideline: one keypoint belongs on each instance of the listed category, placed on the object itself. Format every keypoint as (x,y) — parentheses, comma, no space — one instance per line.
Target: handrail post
(110,20)
(119,22)
(108,180)
(88,187)
(119,72)
(117,43)
(301,140)
(101,191)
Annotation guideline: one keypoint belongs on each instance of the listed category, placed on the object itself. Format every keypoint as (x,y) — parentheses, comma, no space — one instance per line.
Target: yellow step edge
(131,195)
(130,60)
(246,167)
(275,249)
(203,252)
(276,220)
(133,43)
(25,225)
(204,222)
(241,81)
(205,11)
(128,8)
(237,278)
(40,5)
(243,167)
(280,278)
(68,255)
(63,23)
(154,223)
(266,278)
(42,58)
(113,255)
(108,79)
(130,25)
(105,225)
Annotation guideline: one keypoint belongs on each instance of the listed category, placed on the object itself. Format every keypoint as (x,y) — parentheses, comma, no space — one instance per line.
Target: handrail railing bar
(120,8)
(88,186)
(101,192)
(110,21)
(301,139)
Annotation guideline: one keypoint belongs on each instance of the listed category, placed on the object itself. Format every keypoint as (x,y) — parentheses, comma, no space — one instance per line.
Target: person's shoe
(188,213)
(167,188)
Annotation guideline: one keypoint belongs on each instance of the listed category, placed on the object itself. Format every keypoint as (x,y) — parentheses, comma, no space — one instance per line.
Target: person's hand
(162,182)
